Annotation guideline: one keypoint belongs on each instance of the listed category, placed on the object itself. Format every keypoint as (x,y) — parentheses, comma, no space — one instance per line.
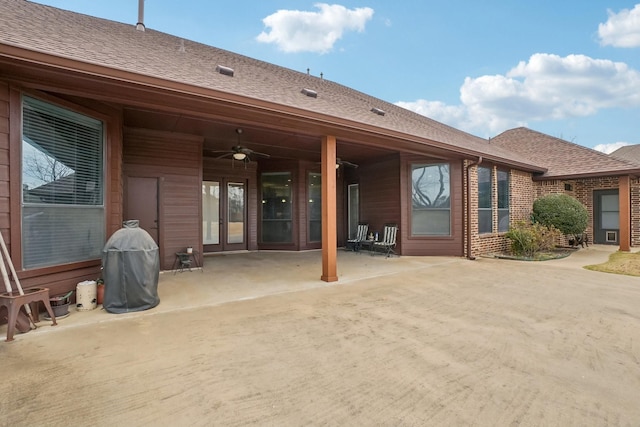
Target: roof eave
(44,59)
(634,173)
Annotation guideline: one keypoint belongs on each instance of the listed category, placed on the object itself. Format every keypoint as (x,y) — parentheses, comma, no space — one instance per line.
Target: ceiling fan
(239,153)
(340,162)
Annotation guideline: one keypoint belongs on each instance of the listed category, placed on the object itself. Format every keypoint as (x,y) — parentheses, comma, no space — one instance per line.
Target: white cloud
(547,87)
(621,29)
(298,31)
(610,148)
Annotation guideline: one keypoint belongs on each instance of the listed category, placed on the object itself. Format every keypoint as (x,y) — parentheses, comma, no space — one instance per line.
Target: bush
(561,212)
(529,239)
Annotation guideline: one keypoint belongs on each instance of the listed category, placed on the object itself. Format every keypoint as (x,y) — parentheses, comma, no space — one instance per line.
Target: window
(430,200)
(503,201)
(315,207)
(276,208)
(63,218)
(484,200)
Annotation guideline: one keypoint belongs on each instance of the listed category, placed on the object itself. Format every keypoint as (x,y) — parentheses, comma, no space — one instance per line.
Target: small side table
(367,244)
(184,259)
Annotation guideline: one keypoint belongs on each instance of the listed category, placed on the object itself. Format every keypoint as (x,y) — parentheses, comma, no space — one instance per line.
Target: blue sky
(567,68)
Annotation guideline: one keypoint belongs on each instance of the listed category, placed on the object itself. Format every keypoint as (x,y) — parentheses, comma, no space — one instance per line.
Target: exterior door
(606,217)
(142,204)
(224,213)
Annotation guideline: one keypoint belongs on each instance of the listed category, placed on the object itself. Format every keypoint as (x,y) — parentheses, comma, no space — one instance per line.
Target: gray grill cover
(131,263)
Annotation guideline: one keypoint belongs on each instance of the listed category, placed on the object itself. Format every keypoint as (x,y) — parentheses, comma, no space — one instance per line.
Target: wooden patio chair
(388,242)
(361,234)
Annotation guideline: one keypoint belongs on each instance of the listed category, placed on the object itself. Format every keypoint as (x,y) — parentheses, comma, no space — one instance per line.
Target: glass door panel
(315,207)
(211,213)
(277,216)
(235,213)
(224,216)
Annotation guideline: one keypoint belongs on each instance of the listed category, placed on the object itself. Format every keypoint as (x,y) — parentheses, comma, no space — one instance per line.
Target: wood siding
(380,195)
(5,193)
(176,161)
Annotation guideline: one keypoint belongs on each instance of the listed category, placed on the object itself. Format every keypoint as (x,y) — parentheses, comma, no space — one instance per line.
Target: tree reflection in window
(431,200)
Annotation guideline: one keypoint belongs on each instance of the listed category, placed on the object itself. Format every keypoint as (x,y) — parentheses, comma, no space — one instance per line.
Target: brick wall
(522,193)
(635,212)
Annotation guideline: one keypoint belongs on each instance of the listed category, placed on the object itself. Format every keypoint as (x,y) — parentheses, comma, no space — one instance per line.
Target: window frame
(291,210)
(449,208)
(506,198)
(483,210)
(81,117)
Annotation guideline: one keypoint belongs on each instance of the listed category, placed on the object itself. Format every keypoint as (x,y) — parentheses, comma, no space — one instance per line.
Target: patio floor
(258,339)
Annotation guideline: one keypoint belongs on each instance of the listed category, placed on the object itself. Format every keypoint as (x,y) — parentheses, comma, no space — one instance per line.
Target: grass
(627,263)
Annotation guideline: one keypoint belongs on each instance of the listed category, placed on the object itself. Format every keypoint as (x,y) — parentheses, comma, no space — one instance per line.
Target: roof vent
(378,111)
(140,24)
(225,70)
(310,93)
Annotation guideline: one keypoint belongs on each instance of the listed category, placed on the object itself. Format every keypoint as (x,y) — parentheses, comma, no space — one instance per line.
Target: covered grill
(131,263)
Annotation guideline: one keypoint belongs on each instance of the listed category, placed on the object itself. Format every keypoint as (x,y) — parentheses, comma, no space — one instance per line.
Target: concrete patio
(258,339)
(243,276)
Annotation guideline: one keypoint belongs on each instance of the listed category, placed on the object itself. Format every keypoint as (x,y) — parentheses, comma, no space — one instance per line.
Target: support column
(624,198)
(329,214)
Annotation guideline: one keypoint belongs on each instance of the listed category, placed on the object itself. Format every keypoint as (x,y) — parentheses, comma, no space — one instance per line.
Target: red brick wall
(521,197)
(583,189)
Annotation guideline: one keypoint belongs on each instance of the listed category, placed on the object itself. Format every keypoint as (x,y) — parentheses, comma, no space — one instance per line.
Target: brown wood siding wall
(176,160)
(214,169)
(379,185)
(452,245)
(5,193)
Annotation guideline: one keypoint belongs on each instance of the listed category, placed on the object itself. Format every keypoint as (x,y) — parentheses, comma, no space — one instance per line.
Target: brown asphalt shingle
(87,39)
(629,153)
(561,158)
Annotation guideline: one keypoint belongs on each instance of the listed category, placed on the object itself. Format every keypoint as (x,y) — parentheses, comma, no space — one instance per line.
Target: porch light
(239,156)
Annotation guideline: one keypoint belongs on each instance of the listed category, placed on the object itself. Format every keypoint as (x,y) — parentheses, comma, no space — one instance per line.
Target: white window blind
(62,185)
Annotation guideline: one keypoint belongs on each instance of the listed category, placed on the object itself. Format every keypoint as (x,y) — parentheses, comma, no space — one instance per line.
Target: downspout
(469,251)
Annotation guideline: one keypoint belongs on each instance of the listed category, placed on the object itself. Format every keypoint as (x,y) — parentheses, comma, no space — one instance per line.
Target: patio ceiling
(221,136)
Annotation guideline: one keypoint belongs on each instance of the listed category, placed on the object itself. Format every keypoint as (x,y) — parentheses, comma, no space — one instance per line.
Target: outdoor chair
(388,242)
(361,234)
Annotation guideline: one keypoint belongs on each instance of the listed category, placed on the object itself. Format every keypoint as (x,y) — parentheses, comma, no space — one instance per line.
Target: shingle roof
(118,46)
(630,153)
(561,158)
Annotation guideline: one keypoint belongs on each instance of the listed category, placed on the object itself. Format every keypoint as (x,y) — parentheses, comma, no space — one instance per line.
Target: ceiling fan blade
(349,164)
(257,153)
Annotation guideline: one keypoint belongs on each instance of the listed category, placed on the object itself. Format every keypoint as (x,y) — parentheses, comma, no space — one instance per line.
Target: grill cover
(131,268)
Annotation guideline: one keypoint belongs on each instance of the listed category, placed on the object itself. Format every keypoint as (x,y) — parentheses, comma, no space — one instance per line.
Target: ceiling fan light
(239,156)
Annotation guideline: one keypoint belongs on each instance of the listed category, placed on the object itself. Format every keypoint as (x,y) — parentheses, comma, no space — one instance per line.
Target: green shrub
(529,239)
(561,212)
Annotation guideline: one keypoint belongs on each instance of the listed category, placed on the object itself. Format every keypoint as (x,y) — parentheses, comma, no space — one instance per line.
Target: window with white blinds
(62,185)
